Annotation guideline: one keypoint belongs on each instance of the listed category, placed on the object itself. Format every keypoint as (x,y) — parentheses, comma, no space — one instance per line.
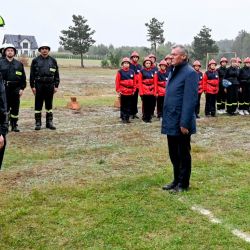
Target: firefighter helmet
(125,59)
(196,63)
(44,45)
(168,57)
(223,59)
(147,59)
(247,60)
(134,54)
(152,55)
(212,62)
(163,62)
(8,46)
(239,60)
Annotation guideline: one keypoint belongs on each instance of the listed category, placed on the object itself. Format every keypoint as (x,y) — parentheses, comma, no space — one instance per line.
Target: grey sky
(122,22)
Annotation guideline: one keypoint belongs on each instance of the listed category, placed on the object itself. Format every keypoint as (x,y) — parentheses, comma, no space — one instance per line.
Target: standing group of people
(44,81)
(231,96)
(147,81)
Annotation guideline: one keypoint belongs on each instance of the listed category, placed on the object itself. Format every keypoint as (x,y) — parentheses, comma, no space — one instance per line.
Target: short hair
(182,49)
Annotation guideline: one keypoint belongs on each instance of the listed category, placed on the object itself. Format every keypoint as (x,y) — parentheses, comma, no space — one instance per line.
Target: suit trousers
(179,148)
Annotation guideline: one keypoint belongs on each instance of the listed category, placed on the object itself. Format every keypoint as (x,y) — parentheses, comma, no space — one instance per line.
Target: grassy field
(95,183)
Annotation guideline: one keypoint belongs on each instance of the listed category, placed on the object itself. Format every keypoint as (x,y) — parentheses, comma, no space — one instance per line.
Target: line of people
(231,96)
(147,81)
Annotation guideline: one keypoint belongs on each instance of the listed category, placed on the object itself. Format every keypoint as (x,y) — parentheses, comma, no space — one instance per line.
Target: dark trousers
(244,97)
(160,100)
(153,105)
(221,98)
(197,108)
(134,108)
(210,108)
(13,101)
(148,107)
(44,93)
(179,148)
(232,98)
(2,151)
(126,103)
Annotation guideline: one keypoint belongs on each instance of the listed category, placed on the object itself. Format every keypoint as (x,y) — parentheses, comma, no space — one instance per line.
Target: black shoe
(169,186)
(181,189)
(135,117)
(15,129)
(37,127)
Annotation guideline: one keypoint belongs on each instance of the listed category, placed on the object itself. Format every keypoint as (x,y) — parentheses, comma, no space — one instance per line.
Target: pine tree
(78,38)
(155,33)
(203,44)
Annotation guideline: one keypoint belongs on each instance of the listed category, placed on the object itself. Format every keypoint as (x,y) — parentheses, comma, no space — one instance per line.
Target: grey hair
(182,48)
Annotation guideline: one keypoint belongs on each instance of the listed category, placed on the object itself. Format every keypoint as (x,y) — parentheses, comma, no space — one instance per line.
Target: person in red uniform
(211,88)
(147,89)
(221,97)
(134,65)
(197,67)
(162,77)
(125,86)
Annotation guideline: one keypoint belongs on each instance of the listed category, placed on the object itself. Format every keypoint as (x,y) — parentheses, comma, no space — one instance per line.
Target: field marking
(207,213)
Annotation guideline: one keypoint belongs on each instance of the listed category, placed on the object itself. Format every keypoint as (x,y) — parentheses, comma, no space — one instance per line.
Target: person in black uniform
(14,78)
(221,97)
(3,119)
(44,82)
(232,75)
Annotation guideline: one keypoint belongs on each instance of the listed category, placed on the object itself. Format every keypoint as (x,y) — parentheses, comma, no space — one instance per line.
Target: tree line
(78,40)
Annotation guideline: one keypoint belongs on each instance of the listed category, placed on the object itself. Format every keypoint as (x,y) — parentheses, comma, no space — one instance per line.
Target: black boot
(38,118)
(14,125)
(49,121)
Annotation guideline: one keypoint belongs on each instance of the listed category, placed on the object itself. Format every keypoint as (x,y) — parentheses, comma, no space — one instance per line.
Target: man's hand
(34,90)
(20,92)
(184,131)
(1,141)
(225,90)
(55,90)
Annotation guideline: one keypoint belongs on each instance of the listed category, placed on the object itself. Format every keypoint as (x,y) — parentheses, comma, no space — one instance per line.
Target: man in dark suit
(179,121)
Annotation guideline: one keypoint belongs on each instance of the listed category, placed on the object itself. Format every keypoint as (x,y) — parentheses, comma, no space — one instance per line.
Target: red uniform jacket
(137,68)
(200,87)
(147,82)
(162,77)
(211,82)
(125,81)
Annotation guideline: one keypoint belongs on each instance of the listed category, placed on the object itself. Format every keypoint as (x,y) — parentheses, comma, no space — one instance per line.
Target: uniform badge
(52,69)
(19,73)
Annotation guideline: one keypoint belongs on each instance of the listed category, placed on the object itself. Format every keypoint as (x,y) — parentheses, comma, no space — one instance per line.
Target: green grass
(91,186)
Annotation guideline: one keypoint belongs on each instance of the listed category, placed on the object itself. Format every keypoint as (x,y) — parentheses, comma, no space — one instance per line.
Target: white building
(25,45)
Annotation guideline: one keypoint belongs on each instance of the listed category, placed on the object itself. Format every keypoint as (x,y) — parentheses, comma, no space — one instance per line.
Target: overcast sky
(123,22)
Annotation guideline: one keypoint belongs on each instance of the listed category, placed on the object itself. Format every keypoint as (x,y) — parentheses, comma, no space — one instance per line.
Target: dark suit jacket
(180,100)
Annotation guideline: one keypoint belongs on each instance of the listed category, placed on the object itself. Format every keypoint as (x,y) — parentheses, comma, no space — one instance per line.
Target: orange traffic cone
(74,104)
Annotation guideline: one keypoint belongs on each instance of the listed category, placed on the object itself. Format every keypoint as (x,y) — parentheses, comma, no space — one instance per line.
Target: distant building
(25,45)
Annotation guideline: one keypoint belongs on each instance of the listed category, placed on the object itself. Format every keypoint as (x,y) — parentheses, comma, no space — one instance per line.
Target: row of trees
(78,40)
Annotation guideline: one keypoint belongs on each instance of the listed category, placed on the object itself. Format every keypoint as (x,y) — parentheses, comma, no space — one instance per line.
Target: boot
(49,121)
(14,125)
(38,118)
